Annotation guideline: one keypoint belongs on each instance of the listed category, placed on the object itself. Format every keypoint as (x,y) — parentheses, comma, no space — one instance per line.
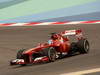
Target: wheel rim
(52,55)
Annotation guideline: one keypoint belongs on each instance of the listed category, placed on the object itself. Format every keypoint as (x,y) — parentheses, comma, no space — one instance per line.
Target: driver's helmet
(54,36)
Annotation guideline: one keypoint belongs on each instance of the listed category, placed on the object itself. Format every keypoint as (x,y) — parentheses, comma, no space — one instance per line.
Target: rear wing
(77,33)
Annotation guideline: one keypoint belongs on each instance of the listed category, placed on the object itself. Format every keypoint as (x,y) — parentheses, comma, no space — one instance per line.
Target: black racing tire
(19,54)
(83,46)
(52,54)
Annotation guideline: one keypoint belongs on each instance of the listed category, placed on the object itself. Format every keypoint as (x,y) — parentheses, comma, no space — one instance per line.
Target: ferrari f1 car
(58,45)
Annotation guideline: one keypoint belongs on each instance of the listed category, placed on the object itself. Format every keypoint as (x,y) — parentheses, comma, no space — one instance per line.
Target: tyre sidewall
(83,46)
(52,54)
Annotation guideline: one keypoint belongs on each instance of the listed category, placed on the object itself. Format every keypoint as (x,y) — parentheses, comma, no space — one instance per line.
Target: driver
(55,37)
(59,40)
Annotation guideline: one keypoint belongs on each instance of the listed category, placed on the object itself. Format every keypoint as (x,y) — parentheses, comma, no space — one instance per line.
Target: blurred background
(48,10)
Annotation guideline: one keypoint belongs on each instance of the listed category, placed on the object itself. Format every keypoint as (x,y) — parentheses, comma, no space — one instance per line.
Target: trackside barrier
(49,23)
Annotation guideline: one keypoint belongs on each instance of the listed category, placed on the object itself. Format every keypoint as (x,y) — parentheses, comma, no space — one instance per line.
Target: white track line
(45,23)
(19,24)
(74,22)
(97,22)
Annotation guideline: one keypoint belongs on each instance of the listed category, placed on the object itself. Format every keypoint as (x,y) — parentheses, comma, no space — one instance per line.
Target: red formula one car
(58,46)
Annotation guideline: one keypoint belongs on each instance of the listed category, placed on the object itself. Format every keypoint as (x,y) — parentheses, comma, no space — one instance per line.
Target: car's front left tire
(52,54)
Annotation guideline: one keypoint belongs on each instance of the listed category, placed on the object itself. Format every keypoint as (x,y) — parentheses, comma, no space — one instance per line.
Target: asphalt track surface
(14,38)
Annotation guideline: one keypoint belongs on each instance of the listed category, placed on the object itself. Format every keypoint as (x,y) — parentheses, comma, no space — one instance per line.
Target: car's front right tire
(19,54)
(52,54)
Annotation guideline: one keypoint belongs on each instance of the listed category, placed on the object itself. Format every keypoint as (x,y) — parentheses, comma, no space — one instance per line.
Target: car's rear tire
(19,54)
(83,46)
